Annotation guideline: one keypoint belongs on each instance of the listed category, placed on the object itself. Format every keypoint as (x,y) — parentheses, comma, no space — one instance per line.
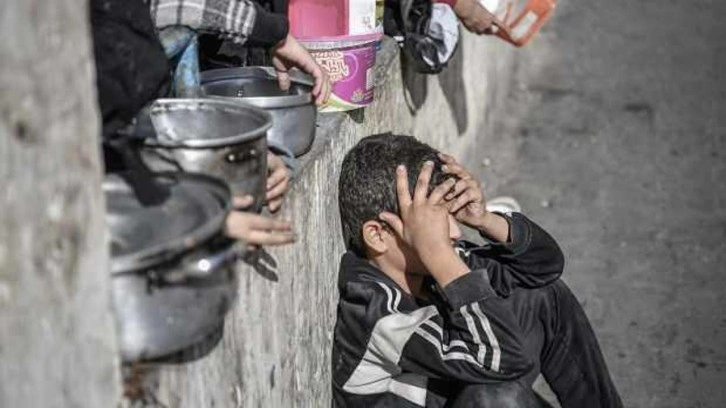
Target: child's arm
(478,339)
(530,259)
(475,340)
(521,253)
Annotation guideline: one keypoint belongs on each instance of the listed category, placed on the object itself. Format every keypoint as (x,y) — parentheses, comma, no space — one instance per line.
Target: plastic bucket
(342,18)
(350,67)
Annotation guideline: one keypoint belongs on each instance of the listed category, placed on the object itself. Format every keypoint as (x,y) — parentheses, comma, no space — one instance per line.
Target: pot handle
(209,265)
(242,156)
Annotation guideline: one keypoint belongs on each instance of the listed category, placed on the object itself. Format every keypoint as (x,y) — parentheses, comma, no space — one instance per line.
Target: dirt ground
(614,139)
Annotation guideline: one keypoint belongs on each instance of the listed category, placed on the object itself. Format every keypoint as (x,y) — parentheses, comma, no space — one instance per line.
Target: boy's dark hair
(367,183)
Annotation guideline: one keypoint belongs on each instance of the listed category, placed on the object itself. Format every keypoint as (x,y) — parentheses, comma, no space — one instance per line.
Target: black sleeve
(477,340)
(269,29)
(473,338)
(530,259)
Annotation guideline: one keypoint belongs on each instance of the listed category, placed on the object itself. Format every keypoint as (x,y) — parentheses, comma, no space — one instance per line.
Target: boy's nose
(454,230)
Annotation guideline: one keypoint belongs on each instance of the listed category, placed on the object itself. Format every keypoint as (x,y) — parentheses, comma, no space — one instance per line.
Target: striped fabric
(232,19)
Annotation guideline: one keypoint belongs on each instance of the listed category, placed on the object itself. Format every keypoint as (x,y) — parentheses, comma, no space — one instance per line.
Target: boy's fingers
(422,183)
(394,221)
(457,170)
(460,187)
(438,194)
(446,158)
(404,196)
(464,199)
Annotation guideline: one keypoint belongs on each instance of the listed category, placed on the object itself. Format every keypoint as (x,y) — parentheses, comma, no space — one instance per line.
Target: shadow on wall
(451,80)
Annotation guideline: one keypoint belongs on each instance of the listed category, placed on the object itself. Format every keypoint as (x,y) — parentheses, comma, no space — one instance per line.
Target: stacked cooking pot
(173,277)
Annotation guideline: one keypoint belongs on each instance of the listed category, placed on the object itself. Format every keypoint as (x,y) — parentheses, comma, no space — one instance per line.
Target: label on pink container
(351,73)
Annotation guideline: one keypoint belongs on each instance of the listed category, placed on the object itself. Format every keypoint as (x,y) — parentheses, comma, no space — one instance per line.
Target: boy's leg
(570,357)
(504,395)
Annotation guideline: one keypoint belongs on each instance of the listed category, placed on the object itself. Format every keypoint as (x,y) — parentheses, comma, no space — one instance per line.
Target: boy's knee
(504,395)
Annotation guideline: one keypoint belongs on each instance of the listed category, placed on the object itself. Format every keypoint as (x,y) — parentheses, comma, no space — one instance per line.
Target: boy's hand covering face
(424,222)
(466,200)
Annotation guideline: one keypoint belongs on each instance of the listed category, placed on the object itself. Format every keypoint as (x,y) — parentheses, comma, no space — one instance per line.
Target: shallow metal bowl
(293,111)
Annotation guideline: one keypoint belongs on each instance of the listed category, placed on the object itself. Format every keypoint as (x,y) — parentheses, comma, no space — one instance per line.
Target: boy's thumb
(394,221)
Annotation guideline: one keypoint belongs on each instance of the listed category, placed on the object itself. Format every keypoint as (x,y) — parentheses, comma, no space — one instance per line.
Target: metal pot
(172,270)
(293,111)
(211,136)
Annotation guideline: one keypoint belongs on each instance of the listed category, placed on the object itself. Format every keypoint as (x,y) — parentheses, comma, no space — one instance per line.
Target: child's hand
(424,222)
(254,229)
(474,16)
(278,179)
(466,200)
(289,53)
(424,225)
(467,204)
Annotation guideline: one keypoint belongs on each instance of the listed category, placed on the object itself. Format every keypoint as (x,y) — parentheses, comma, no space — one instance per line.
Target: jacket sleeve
(474,339)
(238,20)
(530,259)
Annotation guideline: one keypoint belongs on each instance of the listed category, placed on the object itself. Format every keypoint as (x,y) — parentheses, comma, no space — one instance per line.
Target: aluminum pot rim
(218,103)
(260,72)
(158,254)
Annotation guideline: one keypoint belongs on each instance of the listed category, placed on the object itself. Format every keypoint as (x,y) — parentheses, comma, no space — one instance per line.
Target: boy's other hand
(278,180)
(466,200)
(467,204)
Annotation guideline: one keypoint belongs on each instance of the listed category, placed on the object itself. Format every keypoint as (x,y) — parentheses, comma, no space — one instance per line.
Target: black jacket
(131,67)
(393,350)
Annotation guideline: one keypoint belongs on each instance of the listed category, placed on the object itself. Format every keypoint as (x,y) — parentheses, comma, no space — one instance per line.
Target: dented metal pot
(293,111)
(209,136)
(172,269)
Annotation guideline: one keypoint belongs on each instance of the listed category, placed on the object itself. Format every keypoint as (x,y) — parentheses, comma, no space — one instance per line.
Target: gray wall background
(57,344)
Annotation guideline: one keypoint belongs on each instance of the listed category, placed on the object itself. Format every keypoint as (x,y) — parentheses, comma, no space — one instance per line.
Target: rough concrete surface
(614,137)
(57,338)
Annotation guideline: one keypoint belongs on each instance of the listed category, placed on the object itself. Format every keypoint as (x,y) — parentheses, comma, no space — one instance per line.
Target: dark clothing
(131,68)
(496,325)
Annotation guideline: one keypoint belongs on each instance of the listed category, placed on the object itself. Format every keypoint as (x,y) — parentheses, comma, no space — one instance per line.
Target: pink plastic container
(350,67)
(327,20)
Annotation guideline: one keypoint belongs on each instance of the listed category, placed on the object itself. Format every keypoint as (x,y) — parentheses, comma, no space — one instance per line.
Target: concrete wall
(57,344)
(277,341)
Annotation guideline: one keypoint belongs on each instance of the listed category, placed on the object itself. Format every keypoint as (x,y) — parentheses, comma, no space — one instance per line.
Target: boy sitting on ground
(427,320)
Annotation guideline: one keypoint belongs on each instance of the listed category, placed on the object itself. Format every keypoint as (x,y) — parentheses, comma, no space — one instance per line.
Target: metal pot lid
(200,123)
(143,236)
(258,86)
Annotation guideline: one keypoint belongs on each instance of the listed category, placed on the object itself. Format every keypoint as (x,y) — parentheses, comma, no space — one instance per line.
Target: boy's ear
(373,237)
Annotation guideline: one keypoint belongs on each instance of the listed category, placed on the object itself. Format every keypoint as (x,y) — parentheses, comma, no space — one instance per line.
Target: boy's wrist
(444,265)
(493,226)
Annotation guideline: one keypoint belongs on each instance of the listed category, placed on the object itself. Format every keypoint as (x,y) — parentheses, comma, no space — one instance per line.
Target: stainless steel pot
(209,136)
(172,270)
(293,111)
